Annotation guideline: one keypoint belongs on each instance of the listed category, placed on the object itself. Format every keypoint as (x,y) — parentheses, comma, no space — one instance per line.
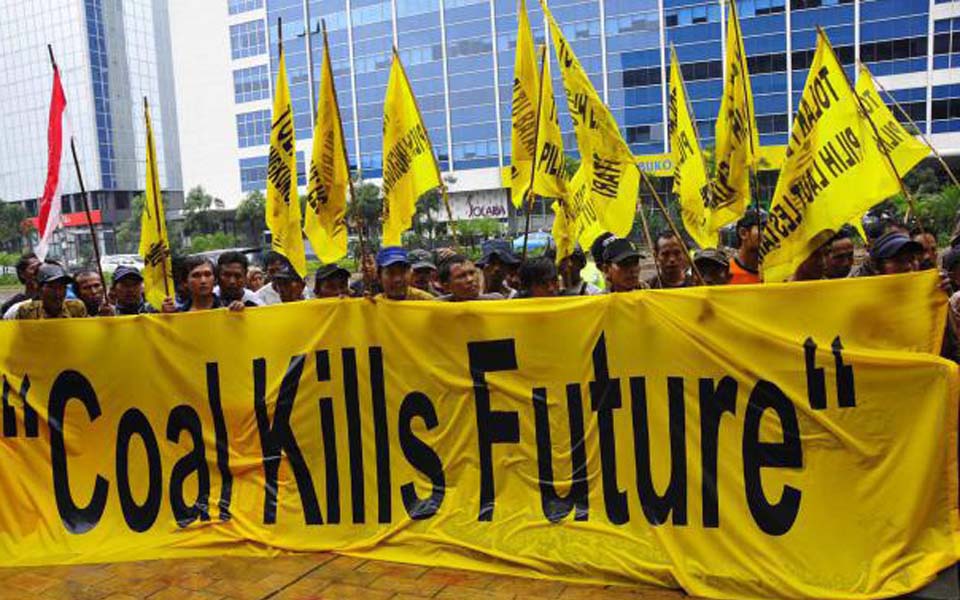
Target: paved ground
(297,577)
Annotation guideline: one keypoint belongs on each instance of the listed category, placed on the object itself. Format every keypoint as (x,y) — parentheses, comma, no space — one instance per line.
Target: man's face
(814,267)
(333,287)
(624,276)
(570,271)
(394,280)
(713,273)
(272,268)
(369,267)
(840,258)
(902,262)
(30,275)
(255,280)
(545,290)
(290,290)
(200,281)
(928,259)
(464,283)
(90,289)
(128,291)
(749,238)
(52,295)
(494,274)
(673,262)
(232,279)
(423,278)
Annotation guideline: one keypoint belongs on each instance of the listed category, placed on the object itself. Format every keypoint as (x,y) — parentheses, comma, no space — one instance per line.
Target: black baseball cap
(287,272)
(125,272)
(331,270)
(596,248)
(501,250)
(51,273)
(421,259)
(711,255)
(752,218)
(620,249)
(891,244)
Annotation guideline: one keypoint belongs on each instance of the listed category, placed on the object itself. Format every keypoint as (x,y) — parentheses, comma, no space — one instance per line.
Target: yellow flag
(904,150)
(563,231)
(409,167)
(737,143)
(154,246)
(833,172)
(690,182)
(523,126)
(550,177)
(580,210)
(610,173)
(329,173)
(283,201)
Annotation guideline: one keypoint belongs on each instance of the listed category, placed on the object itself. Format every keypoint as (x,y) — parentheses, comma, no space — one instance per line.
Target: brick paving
(291,577)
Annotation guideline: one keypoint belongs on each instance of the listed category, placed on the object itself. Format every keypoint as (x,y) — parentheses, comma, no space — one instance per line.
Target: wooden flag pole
(83,195)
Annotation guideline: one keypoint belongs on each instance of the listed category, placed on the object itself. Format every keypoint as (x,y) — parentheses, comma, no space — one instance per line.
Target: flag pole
(83,194)
(673,226)
(346,157)
(152,161)
(528,197)
(436,163)
(650,243)
(923,135)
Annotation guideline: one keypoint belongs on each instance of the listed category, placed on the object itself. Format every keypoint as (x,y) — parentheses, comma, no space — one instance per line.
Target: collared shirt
(268,295)
(742,275)
(70,309)
(412,294)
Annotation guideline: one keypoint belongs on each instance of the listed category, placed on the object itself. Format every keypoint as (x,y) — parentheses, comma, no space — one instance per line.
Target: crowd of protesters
(394,273)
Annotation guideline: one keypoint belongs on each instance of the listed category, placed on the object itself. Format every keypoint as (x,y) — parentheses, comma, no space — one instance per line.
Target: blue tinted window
(253,128)
(251,84)
(239,6)
(248,39)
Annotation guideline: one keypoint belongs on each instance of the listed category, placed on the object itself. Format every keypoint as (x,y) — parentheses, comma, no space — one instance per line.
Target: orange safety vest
(741,276)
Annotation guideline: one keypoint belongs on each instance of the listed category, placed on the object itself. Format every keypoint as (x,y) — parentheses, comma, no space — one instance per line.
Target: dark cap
(287,272)
(752,218)
(711,255)
(500,249)
(951,258)
(50,273)
(620,249)
(891,244)
(331,270)
(421,259)
(392,255)
(596,248)
(125,272)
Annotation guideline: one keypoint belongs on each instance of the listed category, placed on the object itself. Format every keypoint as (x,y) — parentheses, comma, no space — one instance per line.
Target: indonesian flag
(49,218)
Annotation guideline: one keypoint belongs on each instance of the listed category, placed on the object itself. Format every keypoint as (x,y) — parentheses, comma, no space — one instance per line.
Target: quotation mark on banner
(816,378)
(30,421)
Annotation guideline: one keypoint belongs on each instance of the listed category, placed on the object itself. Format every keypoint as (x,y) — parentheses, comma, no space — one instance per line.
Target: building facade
(111,54)
(459,56)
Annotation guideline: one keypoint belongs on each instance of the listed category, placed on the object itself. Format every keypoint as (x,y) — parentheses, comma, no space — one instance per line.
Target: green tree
(366,209)
(428,205)
(128,232)
(12,219)
(251,214)
(198,216)
(205,242)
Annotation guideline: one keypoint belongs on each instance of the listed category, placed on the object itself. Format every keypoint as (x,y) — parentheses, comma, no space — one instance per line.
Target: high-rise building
(459,57)
(111,54)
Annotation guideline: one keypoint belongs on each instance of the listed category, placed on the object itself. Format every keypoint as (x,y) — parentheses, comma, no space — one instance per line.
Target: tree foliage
(128,232)
(366,210)
(13,218)
(198,216)
(211,241)
(251,215)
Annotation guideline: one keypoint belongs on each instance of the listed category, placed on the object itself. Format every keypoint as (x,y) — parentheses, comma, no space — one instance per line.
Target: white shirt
(267,296)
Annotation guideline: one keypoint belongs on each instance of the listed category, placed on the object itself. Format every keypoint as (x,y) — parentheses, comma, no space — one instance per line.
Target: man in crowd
(895,252)
(424,274)
(89,290)
(331,281)
(232,281)
(269,294)
(27,268)
(815,265)
(713,265)
(52,303)
(290,286)
(951,266)
(127,292)
(599,278)
(621,259)
(538,278)
(673,264)
(840,255)
(497,262)
(570,270)
(369,283)
(461,281)
(928,260)
(746,263)
(200,280)
(393,269)
(254,278)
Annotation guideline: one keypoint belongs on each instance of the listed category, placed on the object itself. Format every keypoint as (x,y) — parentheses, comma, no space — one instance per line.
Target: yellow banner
(690,182)
(833,171)
(608,167)
(283,200)
(736,131)
(154,244)
(409,167)
(523,122)
(550,176)
(329,173)
(903,149)
(635,447)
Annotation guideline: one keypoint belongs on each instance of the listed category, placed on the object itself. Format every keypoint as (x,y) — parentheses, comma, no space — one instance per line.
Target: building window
(253,128)
(251,84)
(772,123)
(239,6)
(248,39)
(253,173)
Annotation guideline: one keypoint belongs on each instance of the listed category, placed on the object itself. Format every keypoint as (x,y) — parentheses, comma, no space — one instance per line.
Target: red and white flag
(58,141)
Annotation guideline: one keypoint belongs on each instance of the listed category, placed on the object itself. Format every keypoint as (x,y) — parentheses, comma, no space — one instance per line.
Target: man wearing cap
(423,273)
(393,270)
(745,267)
(497,262)
(269,294)
(621,259)
(289,285)
(127,292)
(713,265)
(673,263)
(331,281)
(573,283)
(461,281)
(895,252)
(52,303)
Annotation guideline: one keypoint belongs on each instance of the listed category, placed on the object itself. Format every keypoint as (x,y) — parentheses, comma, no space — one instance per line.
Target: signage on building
(75,219)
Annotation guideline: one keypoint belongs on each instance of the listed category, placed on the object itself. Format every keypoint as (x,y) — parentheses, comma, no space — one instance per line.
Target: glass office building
(459,55)
(111,54)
